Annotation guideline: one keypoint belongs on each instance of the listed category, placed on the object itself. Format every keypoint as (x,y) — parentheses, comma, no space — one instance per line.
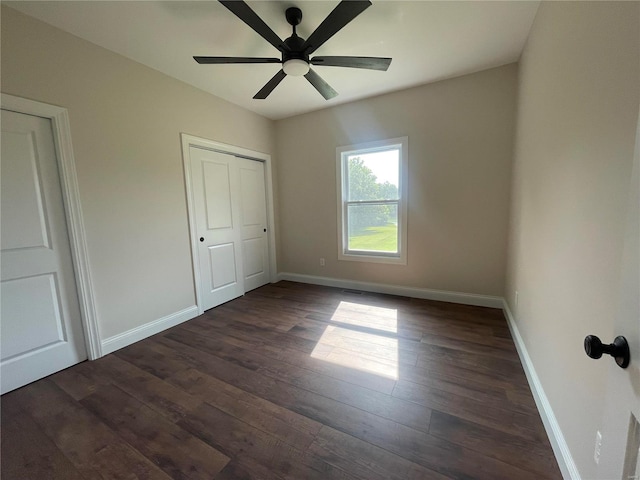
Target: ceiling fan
(296,51)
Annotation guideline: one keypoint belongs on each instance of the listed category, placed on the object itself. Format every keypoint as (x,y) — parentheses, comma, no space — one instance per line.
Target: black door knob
(202,239)
(619,349)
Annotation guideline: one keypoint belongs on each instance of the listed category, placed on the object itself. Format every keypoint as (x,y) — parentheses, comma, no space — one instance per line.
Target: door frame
(189,141)
(72,209)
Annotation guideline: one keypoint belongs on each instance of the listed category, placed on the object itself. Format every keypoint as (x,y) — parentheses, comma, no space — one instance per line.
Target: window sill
(371,258)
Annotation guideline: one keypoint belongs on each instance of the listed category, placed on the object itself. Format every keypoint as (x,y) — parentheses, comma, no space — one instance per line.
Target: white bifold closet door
(231,224)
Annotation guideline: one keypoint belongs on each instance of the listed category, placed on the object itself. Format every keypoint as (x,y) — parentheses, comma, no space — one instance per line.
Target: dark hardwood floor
(291,381)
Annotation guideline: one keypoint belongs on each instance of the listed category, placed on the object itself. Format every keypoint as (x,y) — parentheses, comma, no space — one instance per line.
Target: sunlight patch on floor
(362,315)
(346,345)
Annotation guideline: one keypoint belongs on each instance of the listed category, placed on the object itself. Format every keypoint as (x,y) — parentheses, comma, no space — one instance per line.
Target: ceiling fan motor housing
(294,44)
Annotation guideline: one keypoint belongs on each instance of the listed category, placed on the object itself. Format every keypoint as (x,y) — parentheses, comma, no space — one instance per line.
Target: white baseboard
(565,461)
(425,293)
(134,335)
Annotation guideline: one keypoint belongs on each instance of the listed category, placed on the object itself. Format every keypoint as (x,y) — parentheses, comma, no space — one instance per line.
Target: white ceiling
(427,40)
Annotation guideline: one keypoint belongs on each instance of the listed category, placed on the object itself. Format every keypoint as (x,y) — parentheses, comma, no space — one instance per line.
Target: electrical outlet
(596,453)
(322,262)
(516,299)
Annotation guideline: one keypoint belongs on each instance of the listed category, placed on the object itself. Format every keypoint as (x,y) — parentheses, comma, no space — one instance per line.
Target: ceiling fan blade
(371,63)
(270,85)
(323,87)
(346,11)
(248,16)
(221,60)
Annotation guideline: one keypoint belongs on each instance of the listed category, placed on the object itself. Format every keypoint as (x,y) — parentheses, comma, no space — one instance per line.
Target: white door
(40,321)
(620,453)
(217,213)
(231,222)
(255,245)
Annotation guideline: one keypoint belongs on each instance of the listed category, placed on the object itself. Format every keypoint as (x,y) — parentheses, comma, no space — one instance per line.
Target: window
(372,201)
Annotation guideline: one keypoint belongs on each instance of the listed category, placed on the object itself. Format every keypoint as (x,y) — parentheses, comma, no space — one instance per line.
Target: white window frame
(342,153)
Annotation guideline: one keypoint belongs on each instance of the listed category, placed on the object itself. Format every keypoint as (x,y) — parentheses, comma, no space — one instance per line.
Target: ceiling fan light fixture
(295,67)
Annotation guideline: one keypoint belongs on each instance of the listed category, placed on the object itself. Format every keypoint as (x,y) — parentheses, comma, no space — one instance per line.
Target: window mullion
(372,202)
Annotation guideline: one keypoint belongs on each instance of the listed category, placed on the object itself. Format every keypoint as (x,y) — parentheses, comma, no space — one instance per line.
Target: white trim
(424,293)
(134,335)
(341,152)
(189,141)
(561,450)
(73,210)
(271,221)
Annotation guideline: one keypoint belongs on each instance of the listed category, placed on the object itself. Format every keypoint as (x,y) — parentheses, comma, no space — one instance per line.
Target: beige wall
(460,148)
(126,121)
(577,114)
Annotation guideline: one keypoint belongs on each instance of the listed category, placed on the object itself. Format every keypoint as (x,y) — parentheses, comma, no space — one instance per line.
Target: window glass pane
(373,228)
(374,176)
